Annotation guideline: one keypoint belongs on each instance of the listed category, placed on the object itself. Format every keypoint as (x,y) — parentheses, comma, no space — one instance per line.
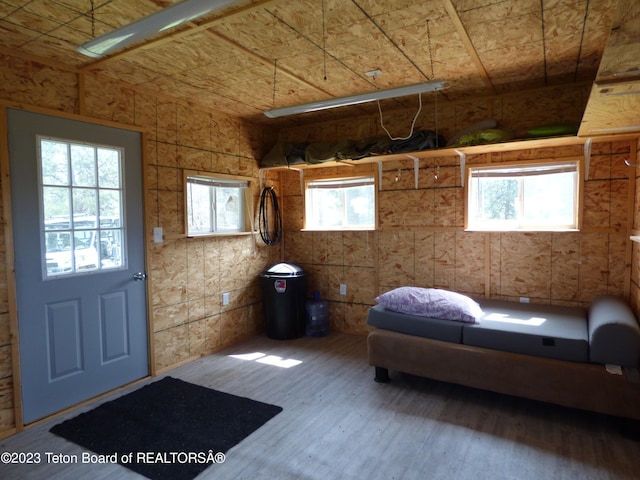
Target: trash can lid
(284,270)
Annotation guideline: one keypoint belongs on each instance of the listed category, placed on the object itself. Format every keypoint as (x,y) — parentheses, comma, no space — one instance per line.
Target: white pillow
(431,302)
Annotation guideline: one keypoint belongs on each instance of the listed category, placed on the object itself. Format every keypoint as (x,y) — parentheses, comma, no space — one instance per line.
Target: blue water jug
(317,316)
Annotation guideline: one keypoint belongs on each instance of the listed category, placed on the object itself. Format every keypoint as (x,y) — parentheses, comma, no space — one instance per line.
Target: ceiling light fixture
(432,86)
(157,22)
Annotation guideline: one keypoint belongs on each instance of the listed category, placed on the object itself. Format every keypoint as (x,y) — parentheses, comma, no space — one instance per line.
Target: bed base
(586,386)
(382,375)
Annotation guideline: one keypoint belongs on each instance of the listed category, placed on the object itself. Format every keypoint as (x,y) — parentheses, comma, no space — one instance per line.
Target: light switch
(225,298)
(157,234)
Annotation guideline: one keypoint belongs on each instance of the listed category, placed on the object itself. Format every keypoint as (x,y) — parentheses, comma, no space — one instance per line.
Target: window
(216,204)
(541,196)
(81,194)
(340,204)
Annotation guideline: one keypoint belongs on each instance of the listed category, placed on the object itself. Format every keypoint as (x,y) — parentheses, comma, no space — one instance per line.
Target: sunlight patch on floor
(274,360)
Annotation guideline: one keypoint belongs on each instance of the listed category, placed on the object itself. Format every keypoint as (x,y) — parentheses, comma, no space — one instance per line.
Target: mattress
(547,331)
(541,330)
(445,330)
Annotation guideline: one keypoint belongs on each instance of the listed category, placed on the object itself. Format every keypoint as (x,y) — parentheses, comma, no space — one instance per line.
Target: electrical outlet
(225,298)
(343,289)
(524,299)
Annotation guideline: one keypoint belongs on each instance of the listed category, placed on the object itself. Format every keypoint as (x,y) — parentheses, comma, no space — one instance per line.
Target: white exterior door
(76,195)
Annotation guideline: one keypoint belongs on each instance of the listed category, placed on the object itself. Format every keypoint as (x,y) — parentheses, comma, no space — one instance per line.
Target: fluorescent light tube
(157,22)
(356,99)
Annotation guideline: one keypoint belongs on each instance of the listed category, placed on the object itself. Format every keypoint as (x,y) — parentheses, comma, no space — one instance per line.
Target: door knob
(139,276)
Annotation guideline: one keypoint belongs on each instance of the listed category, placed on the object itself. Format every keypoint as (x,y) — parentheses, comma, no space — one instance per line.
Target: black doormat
(167,430)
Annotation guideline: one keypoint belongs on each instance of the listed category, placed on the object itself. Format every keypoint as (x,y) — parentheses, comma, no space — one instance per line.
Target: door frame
(10,252)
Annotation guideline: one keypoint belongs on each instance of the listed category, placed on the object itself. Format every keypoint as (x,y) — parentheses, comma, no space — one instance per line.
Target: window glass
(215,204)
(82,203)
(340,204)
(524,197)
(229,209)
(83,165)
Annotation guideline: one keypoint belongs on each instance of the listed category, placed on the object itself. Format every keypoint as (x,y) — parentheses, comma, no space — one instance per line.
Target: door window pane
(108,168)
(55,171)
(58,252)
(110,208)
(84,205)
(85,250)
(83,166)
(111,248)
(57,203)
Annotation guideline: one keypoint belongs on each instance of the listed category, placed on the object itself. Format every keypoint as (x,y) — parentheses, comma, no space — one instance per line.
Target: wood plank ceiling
(261,54)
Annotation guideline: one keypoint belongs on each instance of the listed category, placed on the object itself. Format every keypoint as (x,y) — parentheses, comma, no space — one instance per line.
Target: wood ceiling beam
(466,40)
(205,26)
(190,29)
(265,61)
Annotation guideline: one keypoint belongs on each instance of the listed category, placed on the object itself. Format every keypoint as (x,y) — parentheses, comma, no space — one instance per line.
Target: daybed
(580,358)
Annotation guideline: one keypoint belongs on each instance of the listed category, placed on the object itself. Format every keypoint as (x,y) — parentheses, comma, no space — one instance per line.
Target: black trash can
(284,288)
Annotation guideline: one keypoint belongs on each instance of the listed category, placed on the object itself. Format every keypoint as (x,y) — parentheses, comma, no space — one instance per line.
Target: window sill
(338,229)
(523,230)
(225,234)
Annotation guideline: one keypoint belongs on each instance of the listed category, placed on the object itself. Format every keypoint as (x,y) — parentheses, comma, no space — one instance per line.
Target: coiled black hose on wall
(269,237)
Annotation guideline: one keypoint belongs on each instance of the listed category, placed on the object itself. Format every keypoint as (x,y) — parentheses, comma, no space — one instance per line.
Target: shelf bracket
(301,173)
(261,175)
(463,164)
(379,162)
(587,157)
(416,170)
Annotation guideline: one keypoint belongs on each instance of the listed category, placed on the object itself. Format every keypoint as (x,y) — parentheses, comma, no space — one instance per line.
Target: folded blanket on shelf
(420,140)
(283,154)
(325,152)
(368,147)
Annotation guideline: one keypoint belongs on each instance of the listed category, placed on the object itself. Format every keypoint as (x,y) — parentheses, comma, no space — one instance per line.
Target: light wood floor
(338,423)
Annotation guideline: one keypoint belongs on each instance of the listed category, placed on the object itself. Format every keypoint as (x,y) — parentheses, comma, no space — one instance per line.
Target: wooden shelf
(615,97)
(490,148)
(526,144)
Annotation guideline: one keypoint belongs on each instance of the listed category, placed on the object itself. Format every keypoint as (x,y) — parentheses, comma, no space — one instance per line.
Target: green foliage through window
(523,197)
(340,204)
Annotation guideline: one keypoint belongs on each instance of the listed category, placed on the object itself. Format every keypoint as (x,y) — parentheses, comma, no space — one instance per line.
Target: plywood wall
(421,239)
(635,260)
(186,277)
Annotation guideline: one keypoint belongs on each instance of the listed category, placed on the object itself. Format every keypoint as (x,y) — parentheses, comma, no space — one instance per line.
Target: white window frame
(522,169)
(213,181)
(338,183)
(92,225)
